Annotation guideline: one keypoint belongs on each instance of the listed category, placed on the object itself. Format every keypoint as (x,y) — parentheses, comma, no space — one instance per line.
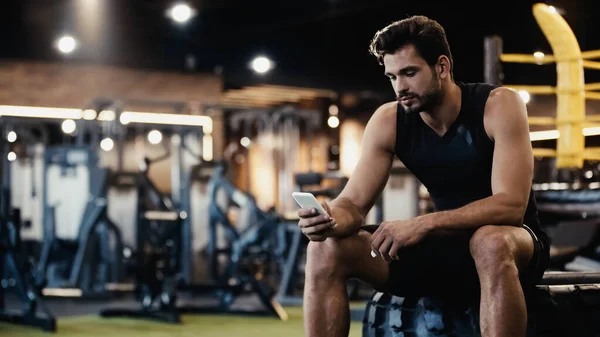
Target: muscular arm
(370,175)
(512,170)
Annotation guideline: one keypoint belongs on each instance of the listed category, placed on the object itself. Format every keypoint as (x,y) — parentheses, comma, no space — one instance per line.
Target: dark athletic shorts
(443,266)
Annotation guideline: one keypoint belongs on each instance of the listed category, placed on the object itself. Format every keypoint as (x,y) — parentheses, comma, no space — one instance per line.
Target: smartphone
(308,200)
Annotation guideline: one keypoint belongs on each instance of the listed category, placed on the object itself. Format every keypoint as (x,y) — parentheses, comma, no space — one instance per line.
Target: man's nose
(401,86)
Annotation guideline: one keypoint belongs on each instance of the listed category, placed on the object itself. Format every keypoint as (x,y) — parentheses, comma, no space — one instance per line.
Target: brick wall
(77,85)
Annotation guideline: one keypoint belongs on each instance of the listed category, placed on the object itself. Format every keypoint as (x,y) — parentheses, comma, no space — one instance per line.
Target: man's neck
(442,117)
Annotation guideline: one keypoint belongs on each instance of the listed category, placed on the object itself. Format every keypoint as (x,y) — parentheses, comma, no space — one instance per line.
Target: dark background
(318,43)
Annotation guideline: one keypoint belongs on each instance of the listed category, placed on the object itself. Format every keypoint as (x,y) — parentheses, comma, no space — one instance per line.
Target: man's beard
(426,102)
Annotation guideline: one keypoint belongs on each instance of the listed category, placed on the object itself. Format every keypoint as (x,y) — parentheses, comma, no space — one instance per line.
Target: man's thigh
(436,266)
(439,266)
(443,265)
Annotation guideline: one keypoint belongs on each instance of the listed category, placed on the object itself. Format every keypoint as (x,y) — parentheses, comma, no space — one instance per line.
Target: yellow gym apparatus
(572,124)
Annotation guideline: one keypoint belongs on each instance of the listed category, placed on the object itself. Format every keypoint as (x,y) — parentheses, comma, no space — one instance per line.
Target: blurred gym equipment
(17,272)
(247,250)
(86,263)
(157,254)
(571,91)
(280,130)
(572,221)
(161,261)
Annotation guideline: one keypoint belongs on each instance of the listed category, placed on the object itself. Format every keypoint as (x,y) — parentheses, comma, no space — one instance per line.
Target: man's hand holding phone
(315,220)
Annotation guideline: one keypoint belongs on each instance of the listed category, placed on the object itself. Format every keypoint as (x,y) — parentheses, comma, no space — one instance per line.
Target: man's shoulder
(388,108)
(504,107)
(477,88)
(504,93)
(485,96)
(385,113)
(382,125)
(501,97)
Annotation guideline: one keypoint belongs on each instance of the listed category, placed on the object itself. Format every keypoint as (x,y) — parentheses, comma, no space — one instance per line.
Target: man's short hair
(425,34)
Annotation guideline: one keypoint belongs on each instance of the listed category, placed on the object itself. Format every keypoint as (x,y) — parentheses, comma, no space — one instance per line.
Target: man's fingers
(379,229)
(307,212)
(376,243)
(384,249)
(394,250)
(376,233)
(314,221)
(318,228)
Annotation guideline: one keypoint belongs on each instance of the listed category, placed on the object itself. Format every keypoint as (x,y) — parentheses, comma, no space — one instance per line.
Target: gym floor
(80,318)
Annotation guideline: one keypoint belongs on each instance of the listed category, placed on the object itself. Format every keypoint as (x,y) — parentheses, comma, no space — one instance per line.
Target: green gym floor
(89,324)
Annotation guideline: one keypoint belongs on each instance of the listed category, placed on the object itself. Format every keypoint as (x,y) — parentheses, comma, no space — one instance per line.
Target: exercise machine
(247,250)
(17,273)
(155,258)
(162,260)
(571,217)
(90,265)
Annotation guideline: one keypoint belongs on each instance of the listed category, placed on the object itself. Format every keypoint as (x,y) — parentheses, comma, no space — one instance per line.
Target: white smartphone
(308,200)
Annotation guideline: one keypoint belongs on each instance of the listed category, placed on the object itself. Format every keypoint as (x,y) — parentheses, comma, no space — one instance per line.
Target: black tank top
(456,168)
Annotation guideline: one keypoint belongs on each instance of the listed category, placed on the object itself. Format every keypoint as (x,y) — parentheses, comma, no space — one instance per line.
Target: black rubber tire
(392,316)
(554,311)
(564,310)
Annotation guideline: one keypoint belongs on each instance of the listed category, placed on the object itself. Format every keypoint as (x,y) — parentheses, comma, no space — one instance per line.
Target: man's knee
(492,249)
(327,258)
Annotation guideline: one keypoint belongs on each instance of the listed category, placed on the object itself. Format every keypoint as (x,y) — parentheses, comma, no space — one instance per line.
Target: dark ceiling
(319,43)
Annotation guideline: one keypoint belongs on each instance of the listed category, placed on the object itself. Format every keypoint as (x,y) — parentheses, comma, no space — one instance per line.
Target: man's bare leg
(329,266)
(500,252)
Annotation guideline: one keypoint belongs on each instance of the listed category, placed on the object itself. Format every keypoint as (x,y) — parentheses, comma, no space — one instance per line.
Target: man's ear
(443,66)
